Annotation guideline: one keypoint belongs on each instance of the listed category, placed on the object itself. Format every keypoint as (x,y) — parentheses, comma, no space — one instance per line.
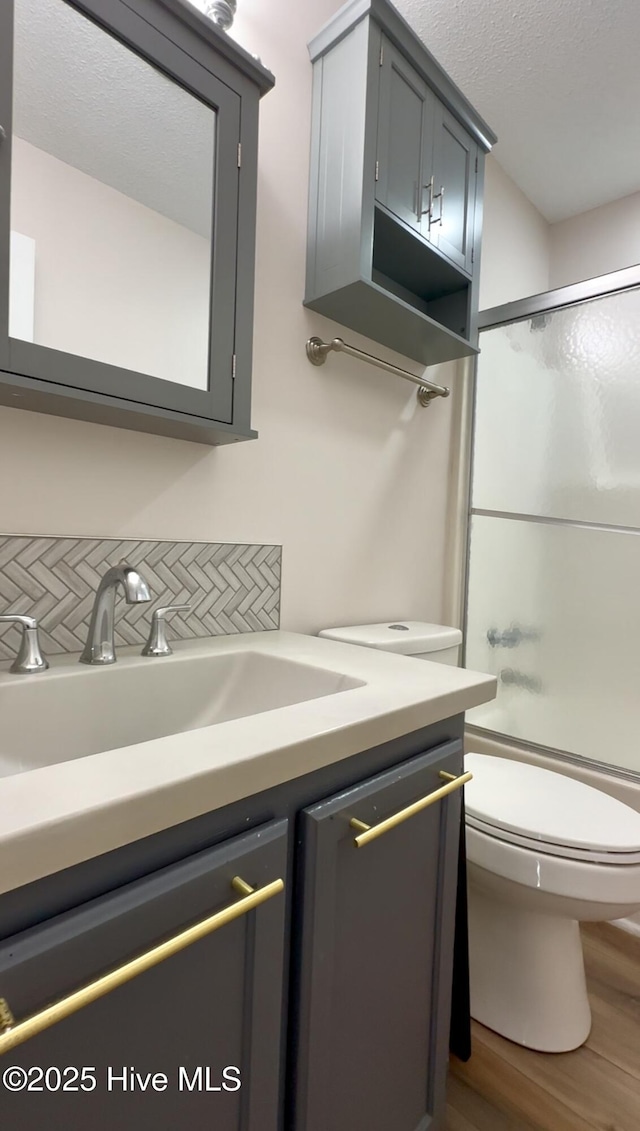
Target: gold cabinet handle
(368,833)
(13,1034)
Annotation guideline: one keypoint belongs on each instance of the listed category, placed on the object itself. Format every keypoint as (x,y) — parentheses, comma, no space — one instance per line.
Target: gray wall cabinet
(174,58)
(333,997)
(395,204)
(423,150)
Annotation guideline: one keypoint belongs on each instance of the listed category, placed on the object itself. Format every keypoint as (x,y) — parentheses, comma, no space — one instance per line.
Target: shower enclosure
(553,578)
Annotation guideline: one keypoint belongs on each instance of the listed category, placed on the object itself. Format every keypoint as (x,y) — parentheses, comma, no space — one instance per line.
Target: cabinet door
(376,961)
(216,1005)
(405,137)
(453,202)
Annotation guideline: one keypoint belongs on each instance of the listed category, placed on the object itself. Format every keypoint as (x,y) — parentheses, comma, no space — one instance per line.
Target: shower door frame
(460,509)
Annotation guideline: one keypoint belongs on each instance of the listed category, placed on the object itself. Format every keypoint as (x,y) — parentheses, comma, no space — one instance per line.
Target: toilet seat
(549,813)
(567,852)
(573,880)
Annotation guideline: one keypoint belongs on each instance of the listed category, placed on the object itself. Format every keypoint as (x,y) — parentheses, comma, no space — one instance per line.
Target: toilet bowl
(544,852)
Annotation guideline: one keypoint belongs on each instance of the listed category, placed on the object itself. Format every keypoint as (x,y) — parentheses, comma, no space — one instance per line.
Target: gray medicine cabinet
(128,171)
(395,211)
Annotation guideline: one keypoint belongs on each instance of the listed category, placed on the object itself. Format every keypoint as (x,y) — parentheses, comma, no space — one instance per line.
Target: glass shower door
(553,601)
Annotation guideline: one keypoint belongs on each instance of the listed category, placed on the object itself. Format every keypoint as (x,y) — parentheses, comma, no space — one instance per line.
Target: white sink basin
(72,710)
(171,739)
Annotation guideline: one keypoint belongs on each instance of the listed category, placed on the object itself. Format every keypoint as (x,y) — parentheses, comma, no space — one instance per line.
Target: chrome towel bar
(317,351)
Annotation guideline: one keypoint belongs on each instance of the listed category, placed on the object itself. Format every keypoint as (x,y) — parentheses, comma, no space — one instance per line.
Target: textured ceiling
(558,81)
(85,98)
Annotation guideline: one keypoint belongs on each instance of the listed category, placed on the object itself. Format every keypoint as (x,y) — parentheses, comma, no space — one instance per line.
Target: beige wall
(349,473)
(515,242)
(114,280)
(593,243)
(523,255)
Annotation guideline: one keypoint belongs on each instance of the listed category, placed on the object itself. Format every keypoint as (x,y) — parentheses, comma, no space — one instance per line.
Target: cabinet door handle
(369,832)
(13,1034)
(439,196)
(427,211)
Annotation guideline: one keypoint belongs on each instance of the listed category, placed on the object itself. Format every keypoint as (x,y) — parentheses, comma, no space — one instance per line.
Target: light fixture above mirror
(222,12)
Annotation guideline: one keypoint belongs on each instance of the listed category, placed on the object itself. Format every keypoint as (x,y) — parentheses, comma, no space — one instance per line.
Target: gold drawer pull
(368,832)
(12,1034)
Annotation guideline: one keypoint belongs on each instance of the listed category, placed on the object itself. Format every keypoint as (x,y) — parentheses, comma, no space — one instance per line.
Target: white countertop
(57,816)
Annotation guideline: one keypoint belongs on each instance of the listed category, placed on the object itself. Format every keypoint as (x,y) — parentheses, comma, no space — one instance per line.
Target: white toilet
(544,852)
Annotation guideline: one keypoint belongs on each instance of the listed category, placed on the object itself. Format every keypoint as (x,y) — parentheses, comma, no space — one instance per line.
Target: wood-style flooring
(507,1088)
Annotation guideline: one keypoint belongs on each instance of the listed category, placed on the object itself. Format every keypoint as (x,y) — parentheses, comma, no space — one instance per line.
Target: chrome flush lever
(157,643)
(29,659)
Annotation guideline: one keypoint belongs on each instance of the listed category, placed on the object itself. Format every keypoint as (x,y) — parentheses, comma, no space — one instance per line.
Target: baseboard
(631,926)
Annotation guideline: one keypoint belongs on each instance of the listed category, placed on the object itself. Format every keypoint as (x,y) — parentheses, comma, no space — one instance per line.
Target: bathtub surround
(559,488)
(231,588)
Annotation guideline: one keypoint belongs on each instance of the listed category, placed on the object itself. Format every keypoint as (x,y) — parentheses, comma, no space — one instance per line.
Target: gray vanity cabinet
(215,1006)
(128,172)
(332,997)
(376,954)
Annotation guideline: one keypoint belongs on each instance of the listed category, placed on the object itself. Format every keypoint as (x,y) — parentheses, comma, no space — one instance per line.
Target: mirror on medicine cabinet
(127,192)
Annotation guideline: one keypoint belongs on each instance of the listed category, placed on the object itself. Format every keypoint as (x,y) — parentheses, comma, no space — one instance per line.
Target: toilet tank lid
(409,637)
(544,805)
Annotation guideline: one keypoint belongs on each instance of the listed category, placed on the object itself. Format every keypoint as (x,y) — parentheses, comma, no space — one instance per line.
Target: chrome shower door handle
(157,643)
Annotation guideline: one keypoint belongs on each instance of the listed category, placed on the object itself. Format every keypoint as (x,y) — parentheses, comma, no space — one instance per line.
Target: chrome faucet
(100,648)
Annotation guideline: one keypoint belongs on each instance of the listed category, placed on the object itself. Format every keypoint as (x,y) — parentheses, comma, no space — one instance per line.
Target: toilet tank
(435,642)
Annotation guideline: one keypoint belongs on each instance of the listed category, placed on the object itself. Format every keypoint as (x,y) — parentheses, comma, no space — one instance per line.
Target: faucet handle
(29,660)
(157,643)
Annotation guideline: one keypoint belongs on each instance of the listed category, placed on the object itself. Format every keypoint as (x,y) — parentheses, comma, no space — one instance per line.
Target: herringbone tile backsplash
(231,588)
